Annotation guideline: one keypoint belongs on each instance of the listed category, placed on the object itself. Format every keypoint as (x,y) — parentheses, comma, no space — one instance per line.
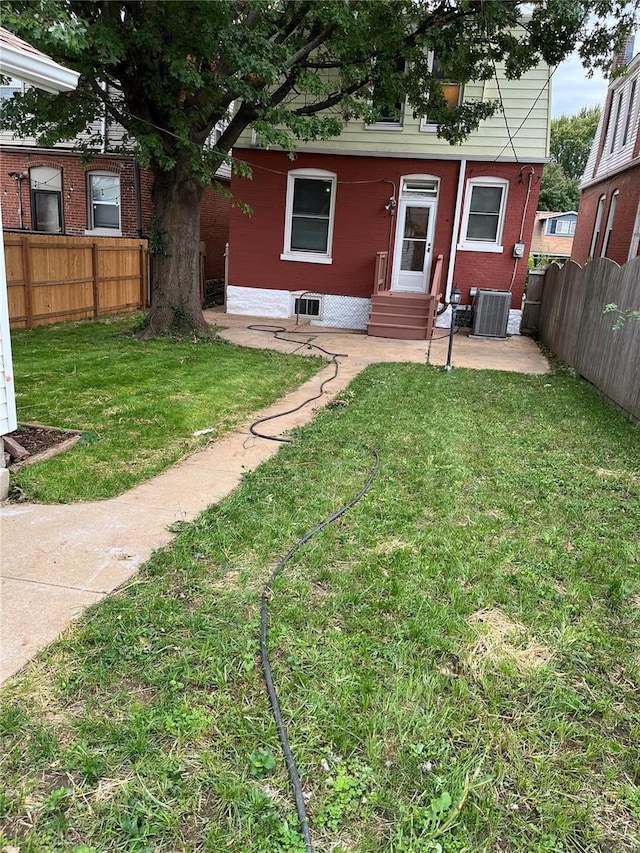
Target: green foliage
(570,143)
(295,71)
(623,315)
(558,192)
(262,763)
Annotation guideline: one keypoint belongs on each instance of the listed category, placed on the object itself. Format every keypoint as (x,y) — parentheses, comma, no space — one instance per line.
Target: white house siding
(622,155)
(526,115)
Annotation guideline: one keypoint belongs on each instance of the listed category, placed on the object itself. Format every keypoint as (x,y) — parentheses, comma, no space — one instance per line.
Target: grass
(139,402)
(457,658)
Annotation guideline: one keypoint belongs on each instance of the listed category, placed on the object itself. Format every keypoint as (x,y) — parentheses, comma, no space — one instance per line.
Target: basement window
(306,306)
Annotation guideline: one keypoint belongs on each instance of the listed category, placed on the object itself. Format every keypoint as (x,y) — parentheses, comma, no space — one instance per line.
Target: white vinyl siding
(618,152)
(308,232)
(526,108)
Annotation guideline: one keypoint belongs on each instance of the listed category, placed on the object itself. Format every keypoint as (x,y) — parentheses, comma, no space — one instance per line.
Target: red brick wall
(214,230)
(362,225)
(628,184)
(74,189)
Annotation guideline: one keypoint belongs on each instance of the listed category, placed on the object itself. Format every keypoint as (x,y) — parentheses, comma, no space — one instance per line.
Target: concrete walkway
(58,560)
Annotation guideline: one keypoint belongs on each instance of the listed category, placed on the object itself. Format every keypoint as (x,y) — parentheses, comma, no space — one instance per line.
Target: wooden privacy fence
(52,278)
(573,325)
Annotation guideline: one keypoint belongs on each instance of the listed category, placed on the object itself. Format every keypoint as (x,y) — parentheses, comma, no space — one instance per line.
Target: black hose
(264,652)
(267,591)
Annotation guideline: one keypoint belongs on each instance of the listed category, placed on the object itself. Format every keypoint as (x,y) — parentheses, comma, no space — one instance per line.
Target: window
(309,216)
(390,109)
(614,131)
(46,199)
(630,106)
(635,236)
(561,227)
(452,92)
(596,227)
(609,229)
(104,201)
(483,216)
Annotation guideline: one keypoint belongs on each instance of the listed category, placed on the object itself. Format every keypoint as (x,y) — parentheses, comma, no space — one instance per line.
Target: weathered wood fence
(51,278)
(572,323)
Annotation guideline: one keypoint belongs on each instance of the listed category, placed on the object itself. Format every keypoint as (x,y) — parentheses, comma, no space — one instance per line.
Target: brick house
(608,223)
(355,229)
(51,190)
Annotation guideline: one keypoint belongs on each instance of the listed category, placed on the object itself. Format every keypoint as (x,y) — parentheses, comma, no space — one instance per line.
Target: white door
(414,240)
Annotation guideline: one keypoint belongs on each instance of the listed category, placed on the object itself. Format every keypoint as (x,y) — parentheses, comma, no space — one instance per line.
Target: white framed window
(616,121)
(451,91)
(609,229)
(308,227)
(483,216)
(391,112)
(103,194)
(596,226)
(564,227)
(630,111)
(46,199)
(635,236)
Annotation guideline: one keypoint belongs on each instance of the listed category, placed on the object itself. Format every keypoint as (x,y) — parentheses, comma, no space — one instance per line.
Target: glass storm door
(414,238)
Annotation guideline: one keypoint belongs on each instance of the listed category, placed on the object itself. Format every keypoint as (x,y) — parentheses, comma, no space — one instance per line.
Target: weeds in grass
(138,403)
(456,659)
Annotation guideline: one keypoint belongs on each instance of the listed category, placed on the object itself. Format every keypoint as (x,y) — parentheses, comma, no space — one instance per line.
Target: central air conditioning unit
(491,314)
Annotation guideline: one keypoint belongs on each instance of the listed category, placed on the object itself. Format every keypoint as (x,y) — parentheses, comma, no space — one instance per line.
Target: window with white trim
(46,199)
(630,111)
(616,122)
(308,229)
(103,193)
(609,229)
(563,227)
(483,216)
(596,227)
(451,91)
(390,110)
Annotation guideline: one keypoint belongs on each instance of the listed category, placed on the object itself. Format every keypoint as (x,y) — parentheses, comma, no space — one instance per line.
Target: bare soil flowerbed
(36,441)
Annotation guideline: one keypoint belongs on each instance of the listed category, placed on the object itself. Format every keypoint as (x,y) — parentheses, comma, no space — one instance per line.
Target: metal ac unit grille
(491,314)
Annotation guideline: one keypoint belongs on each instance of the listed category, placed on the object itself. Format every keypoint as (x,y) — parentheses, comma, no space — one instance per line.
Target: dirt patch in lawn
(34,442)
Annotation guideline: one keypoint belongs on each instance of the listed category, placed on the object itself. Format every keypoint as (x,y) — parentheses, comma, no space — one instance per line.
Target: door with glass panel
(414,240)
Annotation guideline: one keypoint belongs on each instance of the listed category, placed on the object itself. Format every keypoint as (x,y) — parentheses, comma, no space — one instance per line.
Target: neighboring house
(348,231)
(21,61)
(609,212)
(552,237)
(52,190)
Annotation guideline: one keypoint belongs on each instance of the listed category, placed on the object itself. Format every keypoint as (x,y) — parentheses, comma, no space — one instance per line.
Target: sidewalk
(58,560)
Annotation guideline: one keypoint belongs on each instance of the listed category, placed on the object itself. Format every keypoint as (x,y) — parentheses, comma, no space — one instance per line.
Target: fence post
(96,280)
(26,278)
(143,283)
(533,299)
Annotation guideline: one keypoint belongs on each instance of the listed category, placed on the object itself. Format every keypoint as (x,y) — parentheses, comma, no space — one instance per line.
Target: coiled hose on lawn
(266,593)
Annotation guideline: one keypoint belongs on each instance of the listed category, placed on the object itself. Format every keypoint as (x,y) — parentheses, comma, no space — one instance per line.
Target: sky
(571,89)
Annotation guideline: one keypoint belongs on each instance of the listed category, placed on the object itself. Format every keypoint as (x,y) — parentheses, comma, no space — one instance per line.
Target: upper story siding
(520,133)
(616,145)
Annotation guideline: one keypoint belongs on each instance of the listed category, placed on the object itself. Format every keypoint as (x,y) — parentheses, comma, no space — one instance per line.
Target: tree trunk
(175,254)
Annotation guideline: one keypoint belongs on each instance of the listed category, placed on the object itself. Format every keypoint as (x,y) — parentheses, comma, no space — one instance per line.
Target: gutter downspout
(456,227)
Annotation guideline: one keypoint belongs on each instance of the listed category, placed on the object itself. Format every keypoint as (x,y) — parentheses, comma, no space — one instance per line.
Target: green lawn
(139,402)
(457,657)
